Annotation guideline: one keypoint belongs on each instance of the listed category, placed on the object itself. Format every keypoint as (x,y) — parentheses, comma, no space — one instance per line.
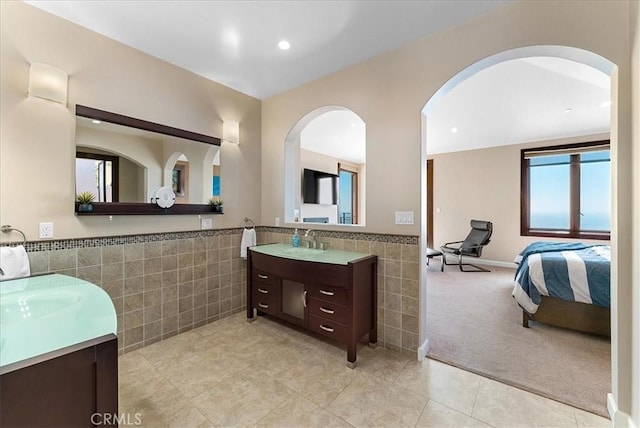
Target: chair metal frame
(447,249)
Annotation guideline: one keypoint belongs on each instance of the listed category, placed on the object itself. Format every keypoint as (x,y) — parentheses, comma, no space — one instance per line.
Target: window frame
(574,193)
(354,190)
(115,171)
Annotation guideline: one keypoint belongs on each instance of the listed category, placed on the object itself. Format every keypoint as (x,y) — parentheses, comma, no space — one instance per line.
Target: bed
(566,285)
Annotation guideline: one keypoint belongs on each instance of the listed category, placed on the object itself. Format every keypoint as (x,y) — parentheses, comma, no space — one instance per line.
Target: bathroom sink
(42,314)
(17,307)
(308,254)
(302,251)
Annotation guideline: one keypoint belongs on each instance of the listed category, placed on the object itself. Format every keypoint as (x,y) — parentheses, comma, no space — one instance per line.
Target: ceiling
(235,43)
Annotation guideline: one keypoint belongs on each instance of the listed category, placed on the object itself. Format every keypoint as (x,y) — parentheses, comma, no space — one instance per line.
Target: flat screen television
(319,187)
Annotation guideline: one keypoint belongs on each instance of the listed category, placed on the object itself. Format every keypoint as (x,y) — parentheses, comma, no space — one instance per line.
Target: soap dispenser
(295,241)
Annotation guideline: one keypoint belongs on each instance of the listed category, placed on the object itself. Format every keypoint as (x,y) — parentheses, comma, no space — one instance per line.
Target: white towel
(14,262)
(248,240)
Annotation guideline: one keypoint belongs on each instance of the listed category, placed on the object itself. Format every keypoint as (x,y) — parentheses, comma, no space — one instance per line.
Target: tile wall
(161,285)
(165,284)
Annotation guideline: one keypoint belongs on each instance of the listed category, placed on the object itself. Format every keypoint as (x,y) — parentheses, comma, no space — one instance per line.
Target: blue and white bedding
(574,272)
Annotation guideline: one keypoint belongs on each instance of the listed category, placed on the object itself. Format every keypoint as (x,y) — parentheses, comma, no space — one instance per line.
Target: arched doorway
(331,141)
(577,55)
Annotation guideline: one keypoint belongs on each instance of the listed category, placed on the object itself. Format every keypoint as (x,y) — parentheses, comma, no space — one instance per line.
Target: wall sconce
(48,82)
(231,132)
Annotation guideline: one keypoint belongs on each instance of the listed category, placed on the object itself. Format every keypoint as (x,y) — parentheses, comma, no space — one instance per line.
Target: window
(566,191)
(98,174)
(348,195)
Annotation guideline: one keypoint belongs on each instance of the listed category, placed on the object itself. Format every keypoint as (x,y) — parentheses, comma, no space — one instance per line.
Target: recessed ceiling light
(284,45)
(568,110)
(95,121)
(606,104)
(454,130)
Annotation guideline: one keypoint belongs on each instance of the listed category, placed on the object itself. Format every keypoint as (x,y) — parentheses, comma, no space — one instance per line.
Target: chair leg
(476,268)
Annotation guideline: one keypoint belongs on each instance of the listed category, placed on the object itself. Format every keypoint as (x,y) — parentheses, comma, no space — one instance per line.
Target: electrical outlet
(206,223)
(46,230)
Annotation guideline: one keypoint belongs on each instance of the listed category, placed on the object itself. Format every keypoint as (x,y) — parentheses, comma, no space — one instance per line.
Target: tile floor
(232,373)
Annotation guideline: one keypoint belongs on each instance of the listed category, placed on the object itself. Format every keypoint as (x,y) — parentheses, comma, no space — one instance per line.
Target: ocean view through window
(566,191)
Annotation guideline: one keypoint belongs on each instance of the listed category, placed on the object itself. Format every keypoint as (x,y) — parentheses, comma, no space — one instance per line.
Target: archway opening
(577,55)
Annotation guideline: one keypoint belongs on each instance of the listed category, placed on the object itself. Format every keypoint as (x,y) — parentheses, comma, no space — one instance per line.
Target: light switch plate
(206,223)
(404,217)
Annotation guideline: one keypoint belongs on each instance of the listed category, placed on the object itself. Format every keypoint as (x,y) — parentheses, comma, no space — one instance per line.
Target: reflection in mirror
(123,164)
(329,156)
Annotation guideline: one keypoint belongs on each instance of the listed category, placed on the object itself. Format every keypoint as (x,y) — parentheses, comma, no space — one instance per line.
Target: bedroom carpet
(474,323)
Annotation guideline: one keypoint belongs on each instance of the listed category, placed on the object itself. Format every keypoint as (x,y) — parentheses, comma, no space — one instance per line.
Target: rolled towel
(14,262)
(248,240)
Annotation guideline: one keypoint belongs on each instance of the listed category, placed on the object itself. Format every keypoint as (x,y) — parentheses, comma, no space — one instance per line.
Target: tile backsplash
(169,283)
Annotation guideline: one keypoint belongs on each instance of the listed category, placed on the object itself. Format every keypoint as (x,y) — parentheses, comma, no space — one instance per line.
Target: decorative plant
(216,202)
(85,198)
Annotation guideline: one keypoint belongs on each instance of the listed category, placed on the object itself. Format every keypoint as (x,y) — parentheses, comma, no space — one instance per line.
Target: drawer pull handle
(327,311)
(304,298)
(325,328)
(263,306)
(263,291)
(261,276)
(327,293)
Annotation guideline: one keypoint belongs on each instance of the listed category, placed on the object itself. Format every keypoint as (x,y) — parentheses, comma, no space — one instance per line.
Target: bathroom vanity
(329,292)
(58,353)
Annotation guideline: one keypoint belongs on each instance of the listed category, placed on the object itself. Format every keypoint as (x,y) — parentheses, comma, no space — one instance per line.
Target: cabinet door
(294,306)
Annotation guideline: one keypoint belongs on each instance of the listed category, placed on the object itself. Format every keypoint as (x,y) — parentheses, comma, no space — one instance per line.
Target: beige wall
(37,136)
(389,91)
(634,20)
(484,184)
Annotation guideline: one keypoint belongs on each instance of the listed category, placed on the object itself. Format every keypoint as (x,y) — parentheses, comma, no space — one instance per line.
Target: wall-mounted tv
(319,187)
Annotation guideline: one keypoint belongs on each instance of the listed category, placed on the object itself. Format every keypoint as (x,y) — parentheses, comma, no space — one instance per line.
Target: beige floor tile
(369,401)
(382,363)
(448,385)
(437,415)
(297,411)
(173,349)
(502,405)
(170,411)
(304,371)
(589,420)
(241,400)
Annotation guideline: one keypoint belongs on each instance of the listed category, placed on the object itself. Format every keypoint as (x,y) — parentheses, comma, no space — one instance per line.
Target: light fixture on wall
(48,82)
(231,132)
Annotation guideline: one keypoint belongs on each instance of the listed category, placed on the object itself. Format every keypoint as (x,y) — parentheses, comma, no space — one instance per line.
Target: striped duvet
(573,272)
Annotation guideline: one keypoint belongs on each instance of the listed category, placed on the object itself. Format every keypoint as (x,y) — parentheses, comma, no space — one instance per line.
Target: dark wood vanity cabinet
(334,300)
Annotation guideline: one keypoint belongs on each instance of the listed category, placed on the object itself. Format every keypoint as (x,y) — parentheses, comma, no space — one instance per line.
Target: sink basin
(302,251)
(308,254)
(41,314)
(16,307)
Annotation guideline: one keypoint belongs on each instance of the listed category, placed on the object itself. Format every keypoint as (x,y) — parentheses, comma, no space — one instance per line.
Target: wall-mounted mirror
(325,159)
(123,161)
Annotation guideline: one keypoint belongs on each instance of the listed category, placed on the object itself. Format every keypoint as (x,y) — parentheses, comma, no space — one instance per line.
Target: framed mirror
(124,161)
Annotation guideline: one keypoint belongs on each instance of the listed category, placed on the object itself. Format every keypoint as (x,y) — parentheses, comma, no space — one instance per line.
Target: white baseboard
(423,349)
(619,418)
(489,262)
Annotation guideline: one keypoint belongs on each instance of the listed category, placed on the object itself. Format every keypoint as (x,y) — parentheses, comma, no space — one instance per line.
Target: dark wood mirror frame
(134,208)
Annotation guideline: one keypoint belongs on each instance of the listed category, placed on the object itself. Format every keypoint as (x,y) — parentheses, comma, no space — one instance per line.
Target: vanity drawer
(328,310)
(327,328)
(329,294)
(265,289)
(267,278)
(265,304)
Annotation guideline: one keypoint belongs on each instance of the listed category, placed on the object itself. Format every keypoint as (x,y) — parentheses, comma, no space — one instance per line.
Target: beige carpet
(474,323)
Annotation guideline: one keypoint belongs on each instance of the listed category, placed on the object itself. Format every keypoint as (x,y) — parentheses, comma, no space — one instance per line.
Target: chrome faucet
(312,243)
(1,272)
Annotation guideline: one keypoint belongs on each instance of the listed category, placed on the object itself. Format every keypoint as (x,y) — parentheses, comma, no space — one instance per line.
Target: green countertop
(45,313)
(336,257)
